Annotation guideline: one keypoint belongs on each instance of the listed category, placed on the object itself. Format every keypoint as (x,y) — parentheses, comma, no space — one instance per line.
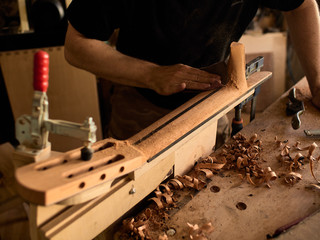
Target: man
(163,43)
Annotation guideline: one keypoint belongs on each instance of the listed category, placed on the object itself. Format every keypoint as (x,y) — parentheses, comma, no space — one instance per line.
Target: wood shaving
(198,233)
(168,199)
(296,163)
(311,169)
(313,186)
(208,173)
(175,183)
(191,182)
(244,156)
(166,187)
(292,177)
(157,201)
(311,149)
(138,227)
(163,237)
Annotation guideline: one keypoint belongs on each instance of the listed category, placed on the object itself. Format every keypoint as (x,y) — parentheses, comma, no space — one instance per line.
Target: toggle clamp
(32,131)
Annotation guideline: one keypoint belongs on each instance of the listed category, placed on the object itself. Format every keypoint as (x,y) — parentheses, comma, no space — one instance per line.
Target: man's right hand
(167,80)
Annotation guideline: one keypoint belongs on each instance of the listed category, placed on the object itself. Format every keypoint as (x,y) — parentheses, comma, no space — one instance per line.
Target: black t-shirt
(193,32)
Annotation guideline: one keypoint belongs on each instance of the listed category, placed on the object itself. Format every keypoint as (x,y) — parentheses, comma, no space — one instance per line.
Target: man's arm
(102,60)
(304,25)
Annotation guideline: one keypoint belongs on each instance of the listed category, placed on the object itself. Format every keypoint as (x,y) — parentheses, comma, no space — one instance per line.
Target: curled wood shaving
(311,169)
(311,149)
(192,182)
(208,173)
(285,150)
(166,187)
(269,176)
(211,166)
(313,186)
(296,163)
(128,224)
(198,233)
(253,138)
(244,156)
(158,193)
(210,163)
(157,201)
(292,177)
(140,231)
(176,183)
(167,198)
(139,227)
(250,180)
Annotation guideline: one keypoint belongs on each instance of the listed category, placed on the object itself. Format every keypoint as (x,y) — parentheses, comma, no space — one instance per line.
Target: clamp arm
(32,131)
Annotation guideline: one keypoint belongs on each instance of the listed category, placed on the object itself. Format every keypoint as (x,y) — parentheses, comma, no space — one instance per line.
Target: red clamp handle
(41,71)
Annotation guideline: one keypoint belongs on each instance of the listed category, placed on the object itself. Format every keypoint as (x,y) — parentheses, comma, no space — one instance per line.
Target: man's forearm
(304,29)
(102,60)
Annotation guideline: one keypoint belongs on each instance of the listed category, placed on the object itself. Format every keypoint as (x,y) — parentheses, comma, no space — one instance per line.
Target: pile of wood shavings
(244,156)
(155,216)
(294,164)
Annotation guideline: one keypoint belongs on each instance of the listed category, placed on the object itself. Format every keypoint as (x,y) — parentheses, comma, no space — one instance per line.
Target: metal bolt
(132,190)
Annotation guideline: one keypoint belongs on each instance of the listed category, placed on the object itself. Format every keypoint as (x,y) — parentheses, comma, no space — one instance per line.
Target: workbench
(264,209)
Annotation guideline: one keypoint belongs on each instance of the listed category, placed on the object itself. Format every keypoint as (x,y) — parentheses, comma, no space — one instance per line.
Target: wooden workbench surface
(267,209)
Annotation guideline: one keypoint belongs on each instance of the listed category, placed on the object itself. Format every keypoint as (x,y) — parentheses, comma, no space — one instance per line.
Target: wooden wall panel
(273,46)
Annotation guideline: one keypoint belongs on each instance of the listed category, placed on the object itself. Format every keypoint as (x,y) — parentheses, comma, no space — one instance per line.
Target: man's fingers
(198,75)
(203,86)
(201,80)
